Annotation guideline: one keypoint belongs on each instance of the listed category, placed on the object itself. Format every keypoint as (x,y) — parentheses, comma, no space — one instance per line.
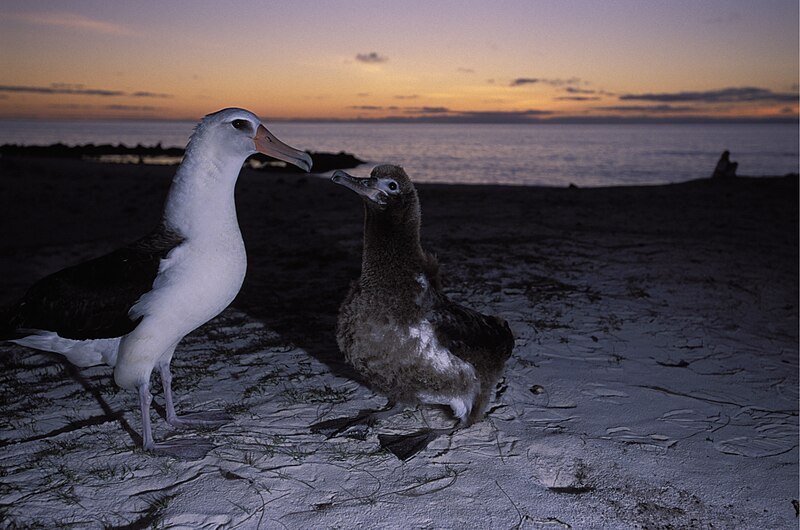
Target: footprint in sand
(561,474)
(761,434)
(629,436)
(603,393)
(692,420)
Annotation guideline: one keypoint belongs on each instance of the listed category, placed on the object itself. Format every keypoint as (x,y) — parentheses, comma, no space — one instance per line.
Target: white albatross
(131,308)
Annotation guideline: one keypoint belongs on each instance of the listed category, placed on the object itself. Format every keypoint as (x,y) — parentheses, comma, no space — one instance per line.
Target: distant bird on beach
(400,332)
(131,308)
(725,168)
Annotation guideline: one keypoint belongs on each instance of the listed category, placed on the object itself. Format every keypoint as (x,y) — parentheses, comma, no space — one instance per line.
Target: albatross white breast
(132,307)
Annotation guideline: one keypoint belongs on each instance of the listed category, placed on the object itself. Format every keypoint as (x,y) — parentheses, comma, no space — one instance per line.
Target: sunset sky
(436,60)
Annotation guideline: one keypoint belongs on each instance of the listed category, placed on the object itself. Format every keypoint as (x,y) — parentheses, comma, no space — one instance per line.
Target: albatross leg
(144,404)
(405,446)
(188,449)
(365,418)
(206,420)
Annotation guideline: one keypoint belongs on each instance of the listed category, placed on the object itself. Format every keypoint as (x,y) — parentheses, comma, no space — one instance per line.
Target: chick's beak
(362,186)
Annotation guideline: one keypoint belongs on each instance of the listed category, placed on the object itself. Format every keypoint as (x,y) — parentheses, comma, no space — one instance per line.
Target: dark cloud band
(522,81)
(371,58)
(79,90)
(725,95)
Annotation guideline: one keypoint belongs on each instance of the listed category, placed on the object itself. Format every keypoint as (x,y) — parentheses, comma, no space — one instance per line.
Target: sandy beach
(654,382)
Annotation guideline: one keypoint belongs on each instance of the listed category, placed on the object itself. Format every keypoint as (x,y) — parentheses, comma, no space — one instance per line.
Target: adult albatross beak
(366,187)
(267,143)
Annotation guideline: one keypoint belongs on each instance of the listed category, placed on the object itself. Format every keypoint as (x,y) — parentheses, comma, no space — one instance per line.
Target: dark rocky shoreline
(157,154)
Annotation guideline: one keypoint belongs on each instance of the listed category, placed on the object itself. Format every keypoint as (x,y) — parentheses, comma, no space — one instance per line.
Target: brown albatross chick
(400,332)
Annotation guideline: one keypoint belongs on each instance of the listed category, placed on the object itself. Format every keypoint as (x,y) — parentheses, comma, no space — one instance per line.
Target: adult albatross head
(235,133)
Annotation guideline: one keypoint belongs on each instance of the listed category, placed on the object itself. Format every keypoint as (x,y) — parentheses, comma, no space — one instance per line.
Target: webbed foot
(202,420)
(405,446)
(337,426)
(185,449)
(363,420)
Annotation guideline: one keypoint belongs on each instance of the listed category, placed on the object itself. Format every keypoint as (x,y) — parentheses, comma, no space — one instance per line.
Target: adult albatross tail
(131,308)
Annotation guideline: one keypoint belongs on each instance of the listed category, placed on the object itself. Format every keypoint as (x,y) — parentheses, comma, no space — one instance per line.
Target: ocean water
(535,154)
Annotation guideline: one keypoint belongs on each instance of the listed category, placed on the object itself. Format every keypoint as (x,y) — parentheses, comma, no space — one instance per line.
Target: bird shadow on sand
(93,390)
(304,248)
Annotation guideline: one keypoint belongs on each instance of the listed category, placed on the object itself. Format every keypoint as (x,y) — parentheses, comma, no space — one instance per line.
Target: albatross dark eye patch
(240,124)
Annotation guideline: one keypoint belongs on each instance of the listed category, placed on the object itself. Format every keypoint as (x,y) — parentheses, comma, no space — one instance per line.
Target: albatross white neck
(201,202)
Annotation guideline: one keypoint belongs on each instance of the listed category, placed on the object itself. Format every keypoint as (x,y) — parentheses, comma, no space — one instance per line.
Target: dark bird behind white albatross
(400,332)
(132,307)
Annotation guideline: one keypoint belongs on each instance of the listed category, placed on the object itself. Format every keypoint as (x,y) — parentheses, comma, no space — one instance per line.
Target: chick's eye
(239,124)
(393,186)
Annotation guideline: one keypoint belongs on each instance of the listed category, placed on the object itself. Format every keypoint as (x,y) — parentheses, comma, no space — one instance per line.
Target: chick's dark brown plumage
(396,327)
